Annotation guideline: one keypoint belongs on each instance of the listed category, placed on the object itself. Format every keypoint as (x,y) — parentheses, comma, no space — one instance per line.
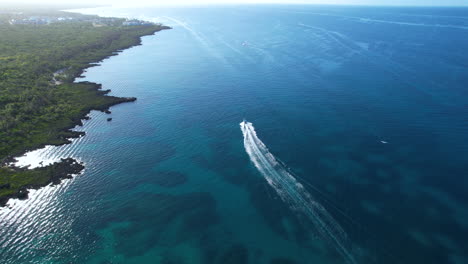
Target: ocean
(354,149)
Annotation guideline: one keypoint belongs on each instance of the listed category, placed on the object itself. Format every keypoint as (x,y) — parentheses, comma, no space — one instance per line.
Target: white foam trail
(341,39)
(199,37)
(371,20)
(189,29)
(294,194)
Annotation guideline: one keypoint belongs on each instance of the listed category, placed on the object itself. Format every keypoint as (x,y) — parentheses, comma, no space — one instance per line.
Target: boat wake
(294,194)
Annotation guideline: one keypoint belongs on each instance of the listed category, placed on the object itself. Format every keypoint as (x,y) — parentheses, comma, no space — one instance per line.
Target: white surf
(294,194)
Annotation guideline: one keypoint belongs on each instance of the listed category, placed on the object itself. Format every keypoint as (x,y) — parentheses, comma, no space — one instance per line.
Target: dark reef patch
(161,219)
(164,151)
(236,254)
(168,178)
(263,196)
(282,261)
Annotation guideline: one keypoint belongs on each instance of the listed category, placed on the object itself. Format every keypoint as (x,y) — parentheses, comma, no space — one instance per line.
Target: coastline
(68,167)
(78,121)
(53,173)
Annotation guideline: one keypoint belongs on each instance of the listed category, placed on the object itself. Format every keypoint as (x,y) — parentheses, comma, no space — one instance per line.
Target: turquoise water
(365,108)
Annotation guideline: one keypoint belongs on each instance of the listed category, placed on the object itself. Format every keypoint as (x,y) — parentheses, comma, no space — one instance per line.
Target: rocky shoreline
(68,167)
(65,169)
(67,133)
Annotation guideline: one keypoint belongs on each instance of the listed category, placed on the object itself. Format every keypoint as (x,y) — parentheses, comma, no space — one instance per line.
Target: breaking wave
(294,194)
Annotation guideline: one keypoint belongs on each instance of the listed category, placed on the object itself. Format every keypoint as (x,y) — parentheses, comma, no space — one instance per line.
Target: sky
(191,2)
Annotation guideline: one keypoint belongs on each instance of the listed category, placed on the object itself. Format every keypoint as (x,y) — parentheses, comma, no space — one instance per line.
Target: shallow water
(169,179)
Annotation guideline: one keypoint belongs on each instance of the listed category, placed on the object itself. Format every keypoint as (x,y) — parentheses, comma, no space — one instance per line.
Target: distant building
(135,22)
(61,19)
(35,20)
(30,21)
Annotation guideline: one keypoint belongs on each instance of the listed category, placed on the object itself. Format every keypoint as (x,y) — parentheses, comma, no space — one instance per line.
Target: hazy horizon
(212,2)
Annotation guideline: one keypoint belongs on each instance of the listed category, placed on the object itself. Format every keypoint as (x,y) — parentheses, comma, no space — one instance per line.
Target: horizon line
(89,5)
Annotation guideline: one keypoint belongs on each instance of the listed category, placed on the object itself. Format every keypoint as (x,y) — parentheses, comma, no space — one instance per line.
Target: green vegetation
(14,182)
(39,101)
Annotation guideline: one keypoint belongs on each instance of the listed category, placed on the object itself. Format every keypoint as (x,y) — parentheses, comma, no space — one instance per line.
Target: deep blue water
(366,107)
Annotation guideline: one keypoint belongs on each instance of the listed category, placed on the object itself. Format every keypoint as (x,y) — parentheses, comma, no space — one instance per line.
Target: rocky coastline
(68,167)
(65,169)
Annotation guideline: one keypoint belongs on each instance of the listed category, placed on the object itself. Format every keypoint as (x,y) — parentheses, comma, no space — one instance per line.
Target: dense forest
(39,61)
